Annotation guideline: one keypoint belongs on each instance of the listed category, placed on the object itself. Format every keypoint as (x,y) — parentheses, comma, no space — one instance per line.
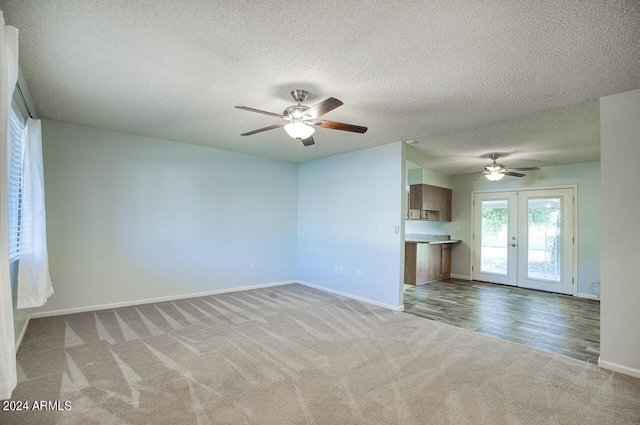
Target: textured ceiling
(556,136)
(433,71)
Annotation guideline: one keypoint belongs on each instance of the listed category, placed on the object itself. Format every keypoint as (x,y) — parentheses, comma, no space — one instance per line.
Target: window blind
(16,130)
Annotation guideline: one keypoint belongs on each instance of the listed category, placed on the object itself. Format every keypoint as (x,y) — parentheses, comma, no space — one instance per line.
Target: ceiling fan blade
(524,169)
(334,125)
(510,173)
(308,141)
(273,114)
(323,107)
(260,130)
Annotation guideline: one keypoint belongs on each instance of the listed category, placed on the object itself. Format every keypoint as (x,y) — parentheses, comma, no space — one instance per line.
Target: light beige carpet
(294,355)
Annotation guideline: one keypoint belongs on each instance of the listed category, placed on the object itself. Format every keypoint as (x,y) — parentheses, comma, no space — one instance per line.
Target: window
(16,129)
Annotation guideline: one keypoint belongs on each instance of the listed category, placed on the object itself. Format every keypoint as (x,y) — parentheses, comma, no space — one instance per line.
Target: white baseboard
(155,300)
(354,297)
(460,276)
(626,370)
(23,331)
(588,296)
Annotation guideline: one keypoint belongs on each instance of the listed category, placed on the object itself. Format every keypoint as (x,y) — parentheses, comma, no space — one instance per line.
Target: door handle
(513,245)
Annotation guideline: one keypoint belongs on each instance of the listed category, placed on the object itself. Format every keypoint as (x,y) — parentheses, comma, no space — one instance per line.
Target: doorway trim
(573,187)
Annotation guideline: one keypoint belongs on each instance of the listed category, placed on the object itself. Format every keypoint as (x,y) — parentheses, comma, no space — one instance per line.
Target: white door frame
(573,187)
(511,276)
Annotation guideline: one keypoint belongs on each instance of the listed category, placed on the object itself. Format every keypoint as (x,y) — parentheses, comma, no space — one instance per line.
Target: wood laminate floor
(557,323)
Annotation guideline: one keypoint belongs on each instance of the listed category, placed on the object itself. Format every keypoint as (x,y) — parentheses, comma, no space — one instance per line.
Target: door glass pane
(494,237)
(544,236)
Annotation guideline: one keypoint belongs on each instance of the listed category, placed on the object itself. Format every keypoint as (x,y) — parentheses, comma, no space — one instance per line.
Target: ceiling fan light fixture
(299,130)
(494,177)
(301,120)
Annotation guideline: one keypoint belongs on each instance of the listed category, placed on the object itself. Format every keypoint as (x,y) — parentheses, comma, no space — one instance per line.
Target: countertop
(427,238)
(432,242)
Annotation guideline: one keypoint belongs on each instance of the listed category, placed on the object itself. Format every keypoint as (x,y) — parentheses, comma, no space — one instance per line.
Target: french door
(495,256)
(525,239)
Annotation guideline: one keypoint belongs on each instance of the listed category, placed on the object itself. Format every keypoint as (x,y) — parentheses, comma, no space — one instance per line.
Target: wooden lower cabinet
(415,268)
(445,262)
(424,262)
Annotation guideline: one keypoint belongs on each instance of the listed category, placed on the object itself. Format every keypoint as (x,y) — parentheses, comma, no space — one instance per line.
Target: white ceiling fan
(495,171)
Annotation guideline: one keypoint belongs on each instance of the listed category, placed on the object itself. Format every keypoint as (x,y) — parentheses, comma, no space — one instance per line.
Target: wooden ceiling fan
(301,120)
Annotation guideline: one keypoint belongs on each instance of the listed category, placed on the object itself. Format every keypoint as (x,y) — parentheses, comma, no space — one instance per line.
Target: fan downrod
(299,95)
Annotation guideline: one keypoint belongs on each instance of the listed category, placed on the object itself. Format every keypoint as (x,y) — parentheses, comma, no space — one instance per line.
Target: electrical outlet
(252,266)
(340,270)
(335,269)
(396,229)
(359,273)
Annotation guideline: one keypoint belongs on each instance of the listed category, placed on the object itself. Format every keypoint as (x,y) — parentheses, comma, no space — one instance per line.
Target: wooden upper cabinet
(431,198)
(424,197)
(445,204)
(411,214)
(436,201)
(415,197)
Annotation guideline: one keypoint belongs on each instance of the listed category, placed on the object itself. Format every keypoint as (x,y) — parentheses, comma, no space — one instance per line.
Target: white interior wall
(348,207)
(135,218)
(620,307)
(585,175)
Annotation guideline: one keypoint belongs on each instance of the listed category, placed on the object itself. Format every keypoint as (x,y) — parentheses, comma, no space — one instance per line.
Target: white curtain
(8,78)
(34,283)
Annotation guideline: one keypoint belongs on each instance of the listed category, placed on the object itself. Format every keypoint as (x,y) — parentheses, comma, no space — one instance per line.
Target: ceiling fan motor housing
(299,95)
(495,167)
(295,111)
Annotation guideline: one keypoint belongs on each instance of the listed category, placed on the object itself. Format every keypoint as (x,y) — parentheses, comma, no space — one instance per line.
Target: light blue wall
(343,202)
(585,175)
(426,176)
(132,218)
(414,177)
